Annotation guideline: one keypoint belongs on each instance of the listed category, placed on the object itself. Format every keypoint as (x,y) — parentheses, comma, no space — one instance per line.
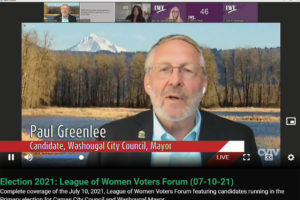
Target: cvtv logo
(262,152)
(159,8)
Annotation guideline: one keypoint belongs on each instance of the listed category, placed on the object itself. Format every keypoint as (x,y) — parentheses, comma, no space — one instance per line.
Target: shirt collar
(160,134)
(65,19)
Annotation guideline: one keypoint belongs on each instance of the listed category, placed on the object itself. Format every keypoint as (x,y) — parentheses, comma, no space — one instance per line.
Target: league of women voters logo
(159,8)
(231,8)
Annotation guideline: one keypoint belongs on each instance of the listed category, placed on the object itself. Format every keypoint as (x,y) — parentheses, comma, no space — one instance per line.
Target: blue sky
(140,37)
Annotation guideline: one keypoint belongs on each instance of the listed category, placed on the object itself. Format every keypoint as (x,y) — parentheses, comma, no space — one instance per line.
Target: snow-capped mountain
(94,43)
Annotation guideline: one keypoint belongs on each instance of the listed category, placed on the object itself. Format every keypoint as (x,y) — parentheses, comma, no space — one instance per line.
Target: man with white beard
(176,81)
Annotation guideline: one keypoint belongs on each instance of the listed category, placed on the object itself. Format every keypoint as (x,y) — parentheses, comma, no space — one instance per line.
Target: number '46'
(204,11)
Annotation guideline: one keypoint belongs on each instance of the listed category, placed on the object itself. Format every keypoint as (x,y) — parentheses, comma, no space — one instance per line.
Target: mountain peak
(93,35)
(94,43)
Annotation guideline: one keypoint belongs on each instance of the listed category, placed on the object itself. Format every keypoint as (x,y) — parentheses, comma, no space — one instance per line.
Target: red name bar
(121,146)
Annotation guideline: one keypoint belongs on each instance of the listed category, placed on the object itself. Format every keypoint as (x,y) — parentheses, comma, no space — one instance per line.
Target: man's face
(176,93)
(64,10)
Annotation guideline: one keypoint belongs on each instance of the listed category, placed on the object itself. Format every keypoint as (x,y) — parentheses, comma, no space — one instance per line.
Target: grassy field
(253,118)
(268,142)
(244,109)
(119,113)
(105,113)
(26,137)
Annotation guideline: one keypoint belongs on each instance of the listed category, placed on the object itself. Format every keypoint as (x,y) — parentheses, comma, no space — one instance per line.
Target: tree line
(238,77)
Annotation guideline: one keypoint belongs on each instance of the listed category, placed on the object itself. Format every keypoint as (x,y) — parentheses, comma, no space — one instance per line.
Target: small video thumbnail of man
(133,12)
(181,97)
(61,12)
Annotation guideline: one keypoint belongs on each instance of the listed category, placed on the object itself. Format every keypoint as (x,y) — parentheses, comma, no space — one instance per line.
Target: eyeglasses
(164,70)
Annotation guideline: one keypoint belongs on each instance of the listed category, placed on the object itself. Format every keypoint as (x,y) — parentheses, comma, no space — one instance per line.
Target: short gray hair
(150,55)
(65,5)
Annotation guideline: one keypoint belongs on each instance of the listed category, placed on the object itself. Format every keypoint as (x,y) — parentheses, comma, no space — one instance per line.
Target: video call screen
(144,96)
(97,77)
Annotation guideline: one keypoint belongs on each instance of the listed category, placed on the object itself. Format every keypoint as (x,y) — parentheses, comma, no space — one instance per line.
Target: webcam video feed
(133,12)
(61,12)
(119,95)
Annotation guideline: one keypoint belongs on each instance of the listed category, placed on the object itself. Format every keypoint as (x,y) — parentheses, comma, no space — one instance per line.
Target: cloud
(139,37)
